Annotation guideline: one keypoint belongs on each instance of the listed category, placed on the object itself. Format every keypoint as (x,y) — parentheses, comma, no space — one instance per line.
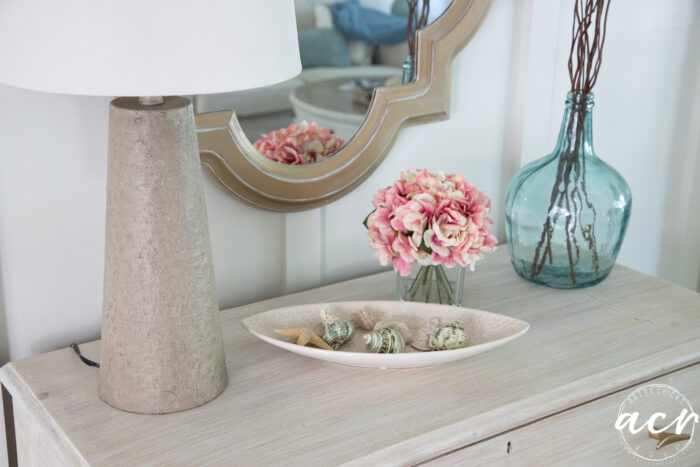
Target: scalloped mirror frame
(230,159)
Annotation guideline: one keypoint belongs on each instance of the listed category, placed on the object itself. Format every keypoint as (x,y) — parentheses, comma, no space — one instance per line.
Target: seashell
(328,318)
(384,340)
(420,340)
(338,332)
(450,337)
(365,320)
(397,326)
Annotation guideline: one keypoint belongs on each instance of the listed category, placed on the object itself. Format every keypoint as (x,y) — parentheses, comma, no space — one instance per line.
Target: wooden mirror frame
(236,166)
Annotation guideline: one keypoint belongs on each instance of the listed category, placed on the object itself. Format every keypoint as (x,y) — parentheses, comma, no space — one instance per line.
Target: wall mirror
(305,142)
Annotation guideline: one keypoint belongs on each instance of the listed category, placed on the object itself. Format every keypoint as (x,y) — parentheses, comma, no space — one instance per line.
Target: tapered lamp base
(162,349)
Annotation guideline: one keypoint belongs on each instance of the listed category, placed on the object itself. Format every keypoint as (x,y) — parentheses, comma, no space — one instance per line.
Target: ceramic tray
(486,330)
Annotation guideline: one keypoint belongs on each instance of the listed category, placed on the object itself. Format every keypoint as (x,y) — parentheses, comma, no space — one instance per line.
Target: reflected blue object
(368,24)
(409,69)
(320,47)
(566,213)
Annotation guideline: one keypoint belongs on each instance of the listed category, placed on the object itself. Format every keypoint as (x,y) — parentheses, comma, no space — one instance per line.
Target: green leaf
(364,222)
(425,247)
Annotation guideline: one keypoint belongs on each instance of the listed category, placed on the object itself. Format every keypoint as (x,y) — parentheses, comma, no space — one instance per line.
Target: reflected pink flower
(299,144)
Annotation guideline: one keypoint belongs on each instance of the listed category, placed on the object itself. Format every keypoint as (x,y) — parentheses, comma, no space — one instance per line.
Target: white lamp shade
(147,47)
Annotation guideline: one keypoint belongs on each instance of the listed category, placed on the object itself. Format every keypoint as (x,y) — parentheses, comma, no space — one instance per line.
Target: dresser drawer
(584,435)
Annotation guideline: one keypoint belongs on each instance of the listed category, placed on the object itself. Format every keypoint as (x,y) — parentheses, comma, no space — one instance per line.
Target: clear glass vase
(566,213)
(431,284)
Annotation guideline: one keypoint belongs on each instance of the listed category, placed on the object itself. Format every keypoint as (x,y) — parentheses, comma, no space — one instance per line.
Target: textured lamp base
(162,348)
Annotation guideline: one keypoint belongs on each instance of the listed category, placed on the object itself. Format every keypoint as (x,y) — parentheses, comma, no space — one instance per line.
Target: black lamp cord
(86,361)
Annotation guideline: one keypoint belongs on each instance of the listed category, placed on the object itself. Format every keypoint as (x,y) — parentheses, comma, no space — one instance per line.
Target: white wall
(508,90)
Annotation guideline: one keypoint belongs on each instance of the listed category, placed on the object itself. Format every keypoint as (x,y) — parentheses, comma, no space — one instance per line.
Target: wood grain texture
(8,447)
(281,408)
(37,445)
(578,437)
(236,166)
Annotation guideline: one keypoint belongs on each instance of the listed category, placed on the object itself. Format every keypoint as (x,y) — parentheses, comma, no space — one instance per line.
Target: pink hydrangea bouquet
(436,220)
(299,144)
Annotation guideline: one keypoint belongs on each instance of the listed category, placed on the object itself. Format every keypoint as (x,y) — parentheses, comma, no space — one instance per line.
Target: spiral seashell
(365,320)
(328,318)
(384,340)
(420,340)
(450,337)
(397,326)
(337,332)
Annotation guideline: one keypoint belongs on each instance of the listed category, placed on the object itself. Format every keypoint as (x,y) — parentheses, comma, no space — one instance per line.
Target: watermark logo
(656,423)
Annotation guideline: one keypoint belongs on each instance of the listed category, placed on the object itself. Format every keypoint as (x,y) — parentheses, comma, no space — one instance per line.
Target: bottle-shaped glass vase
(566,213)
(409,69)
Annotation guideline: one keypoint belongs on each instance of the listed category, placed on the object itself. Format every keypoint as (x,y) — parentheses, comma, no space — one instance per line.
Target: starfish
(304,336)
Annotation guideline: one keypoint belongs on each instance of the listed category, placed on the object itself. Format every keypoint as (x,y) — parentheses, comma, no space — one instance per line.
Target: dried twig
(417,19)
(586,52)
(569,193)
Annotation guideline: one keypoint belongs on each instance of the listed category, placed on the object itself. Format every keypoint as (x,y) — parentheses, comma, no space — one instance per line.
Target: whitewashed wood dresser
(550,397)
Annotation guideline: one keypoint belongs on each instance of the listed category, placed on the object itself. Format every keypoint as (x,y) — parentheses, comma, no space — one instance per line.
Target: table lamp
(162,348)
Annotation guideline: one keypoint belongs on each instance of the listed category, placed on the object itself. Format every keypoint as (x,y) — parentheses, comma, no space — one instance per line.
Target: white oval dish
(486,330)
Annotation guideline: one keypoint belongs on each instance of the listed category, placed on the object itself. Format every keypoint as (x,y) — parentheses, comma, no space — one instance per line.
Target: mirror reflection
(347,48)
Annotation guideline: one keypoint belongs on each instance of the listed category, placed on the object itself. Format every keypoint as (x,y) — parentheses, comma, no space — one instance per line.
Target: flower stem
(424,283)
(415,287)
(413,284)
(429,286)
(440,273)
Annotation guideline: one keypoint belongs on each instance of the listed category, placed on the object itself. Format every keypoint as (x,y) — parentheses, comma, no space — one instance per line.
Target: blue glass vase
(566,213)
(409,69)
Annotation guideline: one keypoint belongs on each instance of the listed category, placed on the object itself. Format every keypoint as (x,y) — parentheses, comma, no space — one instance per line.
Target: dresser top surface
(281,407)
